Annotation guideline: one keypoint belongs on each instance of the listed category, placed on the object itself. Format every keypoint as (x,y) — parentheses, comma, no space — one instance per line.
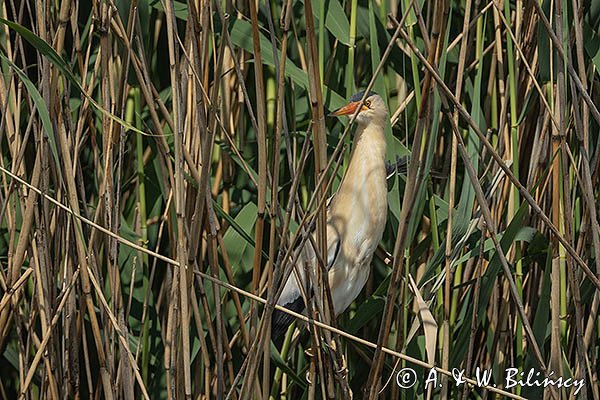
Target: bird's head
(372,110)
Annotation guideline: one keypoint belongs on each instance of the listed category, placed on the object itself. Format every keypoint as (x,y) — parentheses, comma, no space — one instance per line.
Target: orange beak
(348,109)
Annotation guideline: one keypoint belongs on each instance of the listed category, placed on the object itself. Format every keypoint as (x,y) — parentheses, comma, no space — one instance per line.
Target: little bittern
(356,217)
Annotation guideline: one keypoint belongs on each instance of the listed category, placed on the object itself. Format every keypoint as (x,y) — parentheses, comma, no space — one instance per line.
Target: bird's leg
(344,367)
(309,353)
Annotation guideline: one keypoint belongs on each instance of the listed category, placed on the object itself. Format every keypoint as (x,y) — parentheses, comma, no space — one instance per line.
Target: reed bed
(161,159)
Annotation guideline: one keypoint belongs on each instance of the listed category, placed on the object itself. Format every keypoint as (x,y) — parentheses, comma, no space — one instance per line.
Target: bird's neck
(369,144)
(359,208)
(367,160)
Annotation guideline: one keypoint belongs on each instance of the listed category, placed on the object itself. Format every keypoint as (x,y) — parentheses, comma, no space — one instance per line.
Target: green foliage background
(157,162)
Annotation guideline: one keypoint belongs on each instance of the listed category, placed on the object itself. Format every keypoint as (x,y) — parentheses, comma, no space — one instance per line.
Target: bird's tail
(280,321)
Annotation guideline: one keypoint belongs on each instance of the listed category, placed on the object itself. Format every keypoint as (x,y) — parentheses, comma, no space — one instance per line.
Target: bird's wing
(291,296)
(333,245)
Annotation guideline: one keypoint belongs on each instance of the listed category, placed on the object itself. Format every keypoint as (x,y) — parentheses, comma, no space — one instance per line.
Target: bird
(356,218)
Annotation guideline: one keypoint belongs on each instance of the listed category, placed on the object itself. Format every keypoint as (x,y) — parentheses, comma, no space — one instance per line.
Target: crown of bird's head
(372,110)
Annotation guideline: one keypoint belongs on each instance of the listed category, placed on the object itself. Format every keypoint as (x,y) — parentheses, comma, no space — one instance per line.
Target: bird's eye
(368,103)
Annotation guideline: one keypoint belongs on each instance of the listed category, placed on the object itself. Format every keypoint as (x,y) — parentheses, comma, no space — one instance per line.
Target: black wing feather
(280,321)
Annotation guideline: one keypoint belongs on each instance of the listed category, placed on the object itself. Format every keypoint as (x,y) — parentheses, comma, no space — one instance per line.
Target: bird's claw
(309,352)
(307,377)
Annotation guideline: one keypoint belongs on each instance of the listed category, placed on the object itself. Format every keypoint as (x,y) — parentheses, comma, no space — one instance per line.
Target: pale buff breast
(359,214)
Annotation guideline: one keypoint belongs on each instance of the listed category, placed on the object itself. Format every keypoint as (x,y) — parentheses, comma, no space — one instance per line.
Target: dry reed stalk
(245,293)
(173,154)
